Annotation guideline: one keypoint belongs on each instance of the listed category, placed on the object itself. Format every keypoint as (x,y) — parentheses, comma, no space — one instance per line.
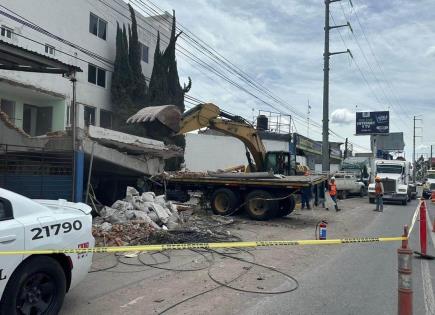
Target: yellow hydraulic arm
(209,115)
(205,115)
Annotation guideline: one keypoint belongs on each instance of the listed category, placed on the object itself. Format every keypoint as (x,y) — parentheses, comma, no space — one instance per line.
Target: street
(362,279)
(336,279)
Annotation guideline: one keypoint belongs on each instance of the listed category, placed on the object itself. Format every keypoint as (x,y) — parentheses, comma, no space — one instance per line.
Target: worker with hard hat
(333,192)
(379,194)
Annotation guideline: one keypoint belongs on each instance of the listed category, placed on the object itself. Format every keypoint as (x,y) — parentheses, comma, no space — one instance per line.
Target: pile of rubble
(147,208)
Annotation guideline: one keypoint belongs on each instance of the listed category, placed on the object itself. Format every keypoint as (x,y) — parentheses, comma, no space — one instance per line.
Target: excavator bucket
(167,115)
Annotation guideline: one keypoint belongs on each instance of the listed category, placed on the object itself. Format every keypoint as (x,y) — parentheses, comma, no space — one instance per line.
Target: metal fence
(36,172)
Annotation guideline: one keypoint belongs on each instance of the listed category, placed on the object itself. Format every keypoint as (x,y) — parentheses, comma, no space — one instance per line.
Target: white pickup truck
(394,175)
(348,184)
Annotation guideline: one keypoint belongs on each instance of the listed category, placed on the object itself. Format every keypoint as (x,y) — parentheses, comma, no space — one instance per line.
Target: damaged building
(43,78)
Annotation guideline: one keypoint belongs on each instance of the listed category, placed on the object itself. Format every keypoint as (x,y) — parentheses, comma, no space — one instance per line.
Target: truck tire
(224,201)
(38,279)
(344,194)
(372,200)
(362,192)
(260,209)
(404,202)
(286,206)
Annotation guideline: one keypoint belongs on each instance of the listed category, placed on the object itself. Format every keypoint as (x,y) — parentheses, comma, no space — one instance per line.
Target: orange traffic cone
(432,196)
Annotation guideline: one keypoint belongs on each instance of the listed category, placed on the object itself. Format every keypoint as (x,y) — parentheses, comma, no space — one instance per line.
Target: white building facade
(85,36)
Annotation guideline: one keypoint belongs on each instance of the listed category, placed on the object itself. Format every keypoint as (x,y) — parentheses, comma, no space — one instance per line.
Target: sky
(279,44)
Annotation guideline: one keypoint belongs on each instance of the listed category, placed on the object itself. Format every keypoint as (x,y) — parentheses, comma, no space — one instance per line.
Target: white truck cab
(431,179)
(394,175)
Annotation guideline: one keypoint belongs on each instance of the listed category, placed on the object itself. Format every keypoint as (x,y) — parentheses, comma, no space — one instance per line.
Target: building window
(6,31)
(144,52)
(97,26)
(49,49)
(89,115)
(96,75)
(105,119)
(8,107)
(37,120)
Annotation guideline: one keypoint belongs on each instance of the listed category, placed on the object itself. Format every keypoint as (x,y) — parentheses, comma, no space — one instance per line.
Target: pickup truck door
(11,238)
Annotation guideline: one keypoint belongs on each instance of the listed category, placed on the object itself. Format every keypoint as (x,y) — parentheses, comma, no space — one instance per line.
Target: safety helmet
(333,178)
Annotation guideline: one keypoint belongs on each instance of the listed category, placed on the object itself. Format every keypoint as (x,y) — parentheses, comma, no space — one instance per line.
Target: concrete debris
(121,234)
(155,211)
(122,205)
(148,196)
(106,227)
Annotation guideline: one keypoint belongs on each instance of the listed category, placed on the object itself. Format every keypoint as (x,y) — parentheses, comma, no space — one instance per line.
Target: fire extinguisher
(321,226)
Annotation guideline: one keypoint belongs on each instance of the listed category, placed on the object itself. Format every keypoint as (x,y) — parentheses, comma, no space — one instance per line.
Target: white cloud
(430,52)
(342,116)
(280,44)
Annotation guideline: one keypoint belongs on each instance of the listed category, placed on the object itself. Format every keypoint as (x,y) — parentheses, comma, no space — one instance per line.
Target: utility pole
(414,168)
(431,151)
(308,118)
(326,55)
(346,143)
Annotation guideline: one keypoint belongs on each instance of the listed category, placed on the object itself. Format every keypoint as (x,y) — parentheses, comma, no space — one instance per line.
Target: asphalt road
(362,278)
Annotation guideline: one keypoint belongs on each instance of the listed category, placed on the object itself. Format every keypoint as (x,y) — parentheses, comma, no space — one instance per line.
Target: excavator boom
(210,116)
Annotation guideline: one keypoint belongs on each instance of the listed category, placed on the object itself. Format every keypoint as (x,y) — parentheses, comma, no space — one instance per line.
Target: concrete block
(140,215)
(122,205)
(148,196)
(106,227)
(139,204)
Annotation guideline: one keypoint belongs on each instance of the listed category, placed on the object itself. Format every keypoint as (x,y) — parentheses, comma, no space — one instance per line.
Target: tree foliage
(129,89)
(139,87)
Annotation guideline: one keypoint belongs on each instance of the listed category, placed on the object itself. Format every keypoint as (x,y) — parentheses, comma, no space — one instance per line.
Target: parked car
(349,184)
(36,284)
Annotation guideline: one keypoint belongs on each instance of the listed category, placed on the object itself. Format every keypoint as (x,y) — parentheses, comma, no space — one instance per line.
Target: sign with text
(370,123)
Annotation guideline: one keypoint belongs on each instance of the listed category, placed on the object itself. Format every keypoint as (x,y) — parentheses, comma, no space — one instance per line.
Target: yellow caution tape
(160,247)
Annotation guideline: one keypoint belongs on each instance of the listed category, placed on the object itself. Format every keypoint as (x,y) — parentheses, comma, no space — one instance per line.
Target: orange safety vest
(378,188)
(332,189)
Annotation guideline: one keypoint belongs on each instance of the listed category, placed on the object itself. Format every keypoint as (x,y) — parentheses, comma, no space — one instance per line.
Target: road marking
(134,301)
(429,299)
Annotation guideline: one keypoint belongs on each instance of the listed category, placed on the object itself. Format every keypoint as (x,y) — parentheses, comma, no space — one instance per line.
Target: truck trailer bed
(249,180)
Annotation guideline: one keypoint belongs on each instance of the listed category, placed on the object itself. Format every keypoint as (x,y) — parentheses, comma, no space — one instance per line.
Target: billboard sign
(312,146)
(390,142)
(370,123)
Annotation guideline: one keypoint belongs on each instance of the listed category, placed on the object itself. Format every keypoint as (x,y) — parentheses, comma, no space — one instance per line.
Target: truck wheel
(404,202)
(372,200)
(260,209)
(37,286)
(286,206)
(344,194)
(223,201)
(362,192)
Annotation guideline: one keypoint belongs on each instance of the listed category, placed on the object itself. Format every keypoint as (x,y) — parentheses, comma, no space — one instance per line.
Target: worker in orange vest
(379,194)
(333,192)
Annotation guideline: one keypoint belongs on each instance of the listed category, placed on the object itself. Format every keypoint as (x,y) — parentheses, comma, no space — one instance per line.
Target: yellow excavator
(211,116)
(260,191)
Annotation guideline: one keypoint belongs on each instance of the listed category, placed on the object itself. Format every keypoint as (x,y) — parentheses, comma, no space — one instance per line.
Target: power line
(387,98)
(389,85)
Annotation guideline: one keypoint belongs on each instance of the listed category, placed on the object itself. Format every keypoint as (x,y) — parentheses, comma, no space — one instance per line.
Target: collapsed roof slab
(142,165)
(133,144)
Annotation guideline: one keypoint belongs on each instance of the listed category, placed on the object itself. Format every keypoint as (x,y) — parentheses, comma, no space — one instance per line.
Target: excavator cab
(279,162)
